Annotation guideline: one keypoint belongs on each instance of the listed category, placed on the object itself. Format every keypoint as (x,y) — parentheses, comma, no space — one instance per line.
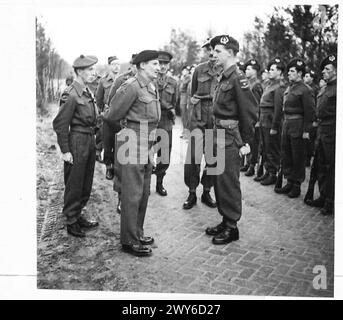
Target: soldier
(252,68)
(184,81)
(310,80)
(110,159)
(298,109)
(74,125)
(203,83)
(102,94)
(137,102)
(234,108)
(270,121)
(326,113)
(167,93)
(69,80)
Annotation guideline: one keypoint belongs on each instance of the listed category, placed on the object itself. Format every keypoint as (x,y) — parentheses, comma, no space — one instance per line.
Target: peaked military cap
(112,58)
(331,59)
(84,61)
(145,55)
(253,63)
(164,56)
(225,40)
(299,65)
(278,62)
(207,43)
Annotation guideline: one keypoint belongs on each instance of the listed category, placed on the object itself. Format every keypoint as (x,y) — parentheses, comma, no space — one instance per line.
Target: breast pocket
(204,85)
(150,107)
(225,93)
(86,111)
(168,93)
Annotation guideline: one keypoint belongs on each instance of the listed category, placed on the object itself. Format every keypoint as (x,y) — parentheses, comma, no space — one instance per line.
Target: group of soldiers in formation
(273,128)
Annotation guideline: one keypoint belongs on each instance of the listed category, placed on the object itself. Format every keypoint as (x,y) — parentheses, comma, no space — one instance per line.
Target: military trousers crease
(78,177)
(227,185)
(192,167)
(161,167)
(271,148)
(326,163)
(293,151)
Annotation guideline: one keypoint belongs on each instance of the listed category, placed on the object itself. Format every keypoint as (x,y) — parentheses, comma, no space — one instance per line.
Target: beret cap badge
(299,63)
(332,58)
(253,62)
(224,40)
(277,60)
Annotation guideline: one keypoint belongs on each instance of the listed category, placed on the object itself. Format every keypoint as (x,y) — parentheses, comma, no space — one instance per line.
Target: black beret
(207,43)
(134,55)
(299,65)
(112,58)
(84,61)
(145,55)
(253,63)
(225,40)
(164,56)
(241,65)
(331,59)
(278,62)
(312,74)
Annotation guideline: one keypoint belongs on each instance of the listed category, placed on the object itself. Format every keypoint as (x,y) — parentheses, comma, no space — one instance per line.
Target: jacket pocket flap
(145,99)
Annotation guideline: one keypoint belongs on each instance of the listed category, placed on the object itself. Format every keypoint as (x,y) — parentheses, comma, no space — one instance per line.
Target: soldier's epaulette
(243,81)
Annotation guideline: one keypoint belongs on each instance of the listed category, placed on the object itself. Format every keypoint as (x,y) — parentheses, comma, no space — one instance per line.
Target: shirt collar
(143,81)
(78,87)
(227,73)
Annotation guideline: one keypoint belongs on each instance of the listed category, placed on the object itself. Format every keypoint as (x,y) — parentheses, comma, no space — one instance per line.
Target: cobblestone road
(281,241)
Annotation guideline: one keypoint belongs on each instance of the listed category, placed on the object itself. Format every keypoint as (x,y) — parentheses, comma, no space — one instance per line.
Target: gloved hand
(243,151)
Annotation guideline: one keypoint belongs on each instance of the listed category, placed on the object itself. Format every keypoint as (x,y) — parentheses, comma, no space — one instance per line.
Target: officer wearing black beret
(270,120)
(326,113)
(252,67)
(299,113)
(136,104)
(74,125)
(234,109)
(114,173)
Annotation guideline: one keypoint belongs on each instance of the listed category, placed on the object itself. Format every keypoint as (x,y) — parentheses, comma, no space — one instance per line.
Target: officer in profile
(203,83)
(252,68)
(113,172)
(102,95)
(167,89)
(326,113)
(136,103)
(74,125)
(234,109)
(298,110)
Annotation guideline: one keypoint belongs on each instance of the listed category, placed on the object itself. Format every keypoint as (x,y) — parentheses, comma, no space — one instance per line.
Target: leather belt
(82,129)
(226,124)
(293,116)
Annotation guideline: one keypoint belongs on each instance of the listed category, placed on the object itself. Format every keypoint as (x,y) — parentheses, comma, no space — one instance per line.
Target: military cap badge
(277,60)
(299,63)
(253,62)
(332,58)
(224,40)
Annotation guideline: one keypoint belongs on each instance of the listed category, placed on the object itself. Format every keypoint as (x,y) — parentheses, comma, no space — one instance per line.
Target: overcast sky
(122,29)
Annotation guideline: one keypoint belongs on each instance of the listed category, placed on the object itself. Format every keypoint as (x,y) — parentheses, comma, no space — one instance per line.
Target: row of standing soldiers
(282,115)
